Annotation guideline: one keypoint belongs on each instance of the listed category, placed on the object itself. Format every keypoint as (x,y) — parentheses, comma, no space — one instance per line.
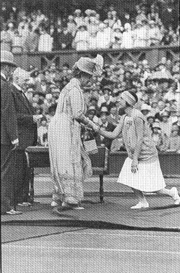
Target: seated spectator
(103,37)
(65,38)
(160,139)
(32,40)
(166,123)
(127,41)
(45,41)
(81,39)
(145,109)
(178,122)
(104,124)
(116,39)
(43,132)
(5,38)
(150,119)
(113,117)
(160,108)
(174,139)
(106,97)
(92,113)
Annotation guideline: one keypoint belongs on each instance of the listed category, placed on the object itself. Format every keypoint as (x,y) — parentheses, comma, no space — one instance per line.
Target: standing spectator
(178,122)
(169,16)
(140,35)
(5,39)
(92,26)
(17,43)
(32,40)
(103,37)
(154,34)
(116,40)
(113,117)
(23,26)
(40,17)
(27,129)
(71,25)
(127,41)
(45,41)
(93,43)
(81,39)
(54,35)
(65,38)
(9,135)
(153,14)
(11,30)
(78,18)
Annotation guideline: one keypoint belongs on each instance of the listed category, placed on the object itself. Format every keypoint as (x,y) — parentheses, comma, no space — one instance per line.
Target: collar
(17,86)
(3,76)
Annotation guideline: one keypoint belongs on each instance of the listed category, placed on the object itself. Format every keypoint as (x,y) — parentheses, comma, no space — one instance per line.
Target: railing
(43,60)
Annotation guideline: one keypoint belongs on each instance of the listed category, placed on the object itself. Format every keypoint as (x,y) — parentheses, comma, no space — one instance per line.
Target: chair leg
(101,190)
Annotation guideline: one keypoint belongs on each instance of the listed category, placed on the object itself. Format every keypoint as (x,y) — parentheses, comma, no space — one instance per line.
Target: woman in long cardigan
(69,162)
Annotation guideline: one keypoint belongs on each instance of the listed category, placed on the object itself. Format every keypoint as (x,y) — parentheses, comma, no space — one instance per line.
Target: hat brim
(9,63)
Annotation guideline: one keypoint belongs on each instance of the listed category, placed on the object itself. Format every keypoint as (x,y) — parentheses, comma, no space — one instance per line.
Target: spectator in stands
(174,139)
(5,38)
(92,25)
(154,34)
(140,35)
(150,119)
(160,139)
(153,14)
(54,35)
(104,125)
(127,41)
(78,18)
(145,109)
(113,117)
(169,16)
(23,27)
(17,43)
(45,41)
(177,122)
(11,30)
(116,39)
(103,37)
(93,43)
(43,132)
(40,17)
(140,14)
(32,40)
(81,39)
(71,25)
(166,123)
(65,38)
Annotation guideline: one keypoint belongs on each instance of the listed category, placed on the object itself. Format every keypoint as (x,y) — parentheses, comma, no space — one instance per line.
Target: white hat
(7,58)
(145,107)
(88,11)
(127,26)
(90,66)
(77,11)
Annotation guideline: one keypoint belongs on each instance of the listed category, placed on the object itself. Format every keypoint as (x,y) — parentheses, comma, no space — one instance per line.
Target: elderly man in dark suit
(27,131)
(9,135)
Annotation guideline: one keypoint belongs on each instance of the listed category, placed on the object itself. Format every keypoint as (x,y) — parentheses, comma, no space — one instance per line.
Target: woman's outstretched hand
(96,128)
(134,166)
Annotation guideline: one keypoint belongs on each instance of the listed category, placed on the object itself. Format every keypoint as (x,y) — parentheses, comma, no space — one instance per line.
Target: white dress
(149,177)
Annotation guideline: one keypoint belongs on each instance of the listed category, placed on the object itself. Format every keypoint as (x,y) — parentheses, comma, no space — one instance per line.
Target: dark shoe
(13,212)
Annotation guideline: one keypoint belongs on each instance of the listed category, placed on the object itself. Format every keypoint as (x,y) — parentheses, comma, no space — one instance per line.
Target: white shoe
(54,204)
(141,205)
(175,196)
(78,208)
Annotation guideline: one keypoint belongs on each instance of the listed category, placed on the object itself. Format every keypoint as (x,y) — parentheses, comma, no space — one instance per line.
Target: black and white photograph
(90,136)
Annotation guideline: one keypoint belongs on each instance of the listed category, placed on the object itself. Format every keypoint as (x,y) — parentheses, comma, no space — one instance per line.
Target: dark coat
(65,39)
(9,128)
(27,129)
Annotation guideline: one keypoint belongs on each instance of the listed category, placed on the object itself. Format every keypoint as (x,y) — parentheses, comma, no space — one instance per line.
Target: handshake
(36,118)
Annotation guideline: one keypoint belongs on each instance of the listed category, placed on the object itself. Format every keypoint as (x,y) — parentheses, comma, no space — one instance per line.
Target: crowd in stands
(150,25)
(159,99)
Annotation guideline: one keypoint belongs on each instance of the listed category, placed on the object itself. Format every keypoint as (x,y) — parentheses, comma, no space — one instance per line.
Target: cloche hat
(90,66)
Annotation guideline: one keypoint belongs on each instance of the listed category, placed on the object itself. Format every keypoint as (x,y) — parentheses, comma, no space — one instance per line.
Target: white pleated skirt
(148,178)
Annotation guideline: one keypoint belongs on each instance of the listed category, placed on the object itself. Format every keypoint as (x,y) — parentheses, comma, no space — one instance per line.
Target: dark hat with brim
(7,58)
